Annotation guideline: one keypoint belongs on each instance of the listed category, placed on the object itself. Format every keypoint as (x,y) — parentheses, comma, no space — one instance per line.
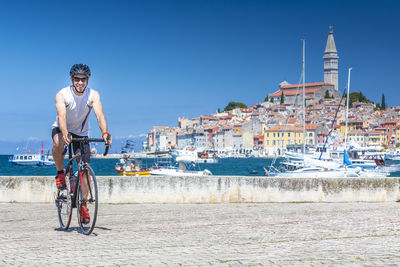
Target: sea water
(105,167)
(225,166)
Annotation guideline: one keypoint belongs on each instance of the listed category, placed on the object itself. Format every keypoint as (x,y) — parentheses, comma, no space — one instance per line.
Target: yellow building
(352,126)
(377,138)
(278,137)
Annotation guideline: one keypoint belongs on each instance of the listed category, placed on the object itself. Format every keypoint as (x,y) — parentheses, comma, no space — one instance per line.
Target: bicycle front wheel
(64,205)
(87,200)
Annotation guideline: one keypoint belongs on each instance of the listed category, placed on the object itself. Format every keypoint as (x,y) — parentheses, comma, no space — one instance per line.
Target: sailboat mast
(304,97)
(347,107)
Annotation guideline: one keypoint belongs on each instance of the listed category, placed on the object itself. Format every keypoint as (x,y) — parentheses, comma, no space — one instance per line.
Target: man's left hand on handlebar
(107,138)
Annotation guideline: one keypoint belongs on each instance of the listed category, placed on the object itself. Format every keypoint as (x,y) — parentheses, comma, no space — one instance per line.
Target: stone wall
(212,189)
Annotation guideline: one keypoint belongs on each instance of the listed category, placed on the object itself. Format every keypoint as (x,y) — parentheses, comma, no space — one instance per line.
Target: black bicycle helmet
(80,69)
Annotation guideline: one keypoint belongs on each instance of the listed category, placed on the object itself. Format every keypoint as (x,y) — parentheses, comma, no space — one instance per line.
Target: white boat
(183,169)
(191,154)
(37,159)
(344,172)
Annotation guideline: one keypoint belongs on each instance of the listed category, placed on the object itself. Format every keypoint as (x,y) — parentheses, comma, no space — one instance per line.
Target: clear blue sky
(155,61)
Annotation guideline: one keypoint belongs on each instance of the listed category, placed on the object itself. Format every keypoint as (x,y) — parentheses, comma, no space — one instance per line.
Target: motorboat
(192,154)
(183,169)
(130,167)
(37,159)
(32,159)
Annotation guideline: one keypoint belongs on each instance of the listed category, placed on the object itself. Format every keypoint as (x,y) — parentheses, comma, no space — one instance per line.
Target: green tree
(327,94)
(282,98)
(358,97)
(377,106)
(383,104)
(266,99)
(232,105)
(219,110)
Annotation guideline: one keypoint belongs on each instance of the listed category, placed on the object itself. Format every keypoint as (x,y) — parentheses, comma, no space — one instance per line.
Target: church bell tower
(331,61)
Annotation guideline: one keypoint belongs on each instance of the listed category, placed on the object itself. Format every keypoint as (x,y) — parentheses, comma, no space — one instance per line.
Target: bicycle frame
(82,195)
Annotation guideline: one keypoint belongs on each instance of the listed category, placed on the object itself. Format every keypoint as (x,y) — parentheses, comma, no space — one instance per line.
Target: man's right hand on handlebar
(66,138)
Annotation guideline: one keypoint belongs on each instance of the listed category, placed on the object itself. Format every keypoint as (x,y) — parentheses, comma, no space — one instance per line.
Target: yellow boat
(127,168)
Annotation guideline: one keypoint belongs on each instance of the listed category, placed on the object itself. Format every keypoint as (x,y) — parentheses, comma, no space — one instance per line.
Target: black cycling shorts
(84,149)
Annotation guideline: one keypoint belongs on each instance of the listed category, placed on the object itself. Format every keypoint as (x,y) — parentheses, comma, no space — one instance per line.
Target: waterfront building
(237,142)
(358,136)
(390,130)
(277,138)
(248,140)
(184,139)
(376,137)
(161,138)
(219,140)
(258,142)
(352,125)
(199,139)
(228,137)
(397,134)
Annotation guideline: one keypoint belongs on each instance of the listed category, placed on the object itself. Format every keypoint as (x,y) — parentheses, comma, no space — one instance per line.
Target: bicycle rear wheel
(64,205)
(87,196)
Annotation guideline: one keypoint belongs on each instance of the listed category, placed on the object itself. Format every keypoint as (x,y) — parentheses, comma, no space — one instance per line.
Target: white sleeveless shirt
(77,110)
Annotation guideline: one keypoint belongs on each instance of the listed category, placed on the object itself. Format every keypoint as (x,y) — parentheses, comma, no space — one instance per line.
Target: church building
(314,92)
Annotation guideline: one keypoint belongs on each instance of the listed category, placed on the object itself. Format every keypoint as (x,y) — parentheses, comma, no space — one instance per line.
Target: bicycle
(84,183)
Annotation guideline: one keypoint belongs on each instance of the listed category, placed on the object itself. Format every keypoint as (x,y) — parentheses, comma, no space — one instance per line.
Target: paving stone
(286,234)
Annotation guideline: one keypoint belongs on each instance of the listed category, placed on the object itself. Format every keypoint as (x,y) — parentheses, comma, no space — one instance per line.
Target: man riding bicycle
(73,104)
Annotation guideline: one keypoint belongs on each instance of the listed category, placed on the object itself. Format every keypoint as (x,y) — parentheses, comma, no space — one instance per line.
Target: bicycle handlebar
(87,140)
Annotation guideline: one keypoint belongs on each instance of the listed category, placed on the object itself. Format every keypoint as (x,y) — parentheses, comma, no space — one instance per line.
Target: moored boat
(36,159)
(128,167)
(32,159)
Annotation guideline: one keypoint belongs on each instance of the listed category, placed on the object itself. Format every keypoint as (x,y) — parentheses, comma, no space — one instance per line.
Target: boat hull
(134,173)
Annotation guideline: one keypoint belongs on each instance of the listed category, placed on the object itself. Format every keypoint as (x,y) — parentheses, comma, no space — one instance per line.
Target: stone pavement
(287,234)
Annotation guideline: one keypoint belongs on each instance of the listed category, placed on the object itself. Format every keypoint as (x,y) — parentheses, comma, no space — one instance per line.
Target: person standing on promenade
(73,104)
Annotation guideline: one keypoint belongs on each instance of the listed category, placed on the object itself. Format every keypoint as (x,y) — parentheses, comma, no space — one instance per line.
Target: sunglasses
(77,79)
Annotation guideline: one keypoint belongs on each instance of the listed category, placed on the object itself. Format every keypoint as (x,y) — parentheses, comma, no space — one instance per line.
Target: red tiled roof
(376,132)
(208,118)
(283,128)
(248,110)
(306,85)
(311,126)
(295,92)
